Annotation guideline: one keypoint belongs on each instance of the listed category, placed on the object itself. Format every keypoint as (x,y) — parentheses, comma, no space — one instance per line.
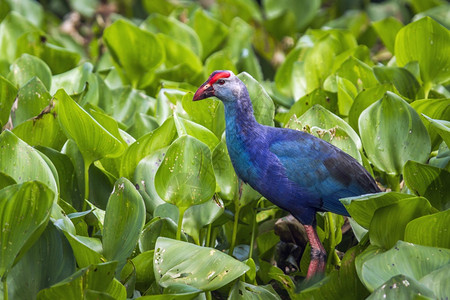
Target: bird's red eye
(221,81)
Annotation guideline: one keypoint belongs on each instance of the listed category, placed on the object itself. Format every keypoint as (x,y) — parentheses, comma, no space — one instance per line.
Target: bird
(294,170)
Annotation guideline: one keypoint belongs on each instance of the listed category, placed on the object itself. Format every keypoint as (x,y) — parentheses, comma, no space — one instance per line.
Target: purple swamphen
(294,170)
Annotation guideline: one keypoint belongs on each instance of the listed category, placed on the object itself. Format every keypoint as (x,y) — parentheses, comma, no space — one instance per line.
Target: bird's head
(222,84)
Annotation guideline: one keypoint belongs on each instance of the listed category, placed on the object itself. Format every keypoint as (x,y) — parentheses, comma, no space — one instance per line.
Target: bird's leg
(318,253)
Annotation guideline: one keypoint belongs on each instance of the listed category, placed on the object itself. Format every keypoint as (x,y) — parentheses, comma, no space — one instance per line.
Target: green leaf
(186,176)
(75,122)
(242,290)
(164,227)
(263,107)
(429,182)
(147,144)
(441,127)
(436,109)
(25,211)
(11,28)
(124,220)
(428,43)
(27,66)
(401,287)
(358,72)
(134,64)
(47,262)
(319,96)
(177,30)
(393,119)
(362,208)
(23,163)
(207,113)
(387,30)
(85,249)
(9,93)
(226,177)
(429,230)
(290,78)
(438,281)
(196,130)
(79,82)
(363,100)
(177,262)
(389,222)
(397,260)
(59,59)
(329,127)
(31,100)
(211,31)
(405,82)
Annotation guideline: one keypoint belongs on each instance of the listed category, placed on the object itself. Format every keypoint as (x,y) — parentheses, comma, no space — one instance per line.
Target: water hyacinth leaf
(59,59)
(176,262)
(363,100)
(426,42)
(142,124)
(80,83)
(318,116)
(48,261)
(393,119)
(429,182)
(9,93)
(318,96)
(134,64)
(42,130)
(127,103)
(186,175)
(27,66)
(401,287)
(146,145)
(208,113)
(358,72)
(31,100)
(6,180)
(242,290)
(346,93)
(196,130)
(397,260)
(320,58)
(289,78)
(405,82)
(124,220)
(177,30)
(442,127)
(210,31)
(436,109)
(389,222)
(362,208)
(75,122)
(11,28)
(25,212)
(144,176)
(198,216)
(387,30)
(226,177)
(23,163)
(157,227)
(431,230)
(438,281)
(85,249)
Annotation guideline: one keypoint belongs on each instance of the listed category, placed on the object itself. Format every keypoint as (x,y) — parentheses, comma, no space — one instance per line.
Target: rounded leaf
(393,133)
(186,176)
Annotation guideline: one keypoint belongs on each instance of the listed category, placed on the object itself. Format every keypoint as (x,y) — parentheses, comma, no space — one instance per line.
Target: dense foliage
(114,184)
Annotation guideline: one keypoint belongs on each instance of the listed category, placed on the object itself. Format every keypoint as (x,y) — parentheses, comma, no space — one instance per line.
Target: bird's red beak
(206,90)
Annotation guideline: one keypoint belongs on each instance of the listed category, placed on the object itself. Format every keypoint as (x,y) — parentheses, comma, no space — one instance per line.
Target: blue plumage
(294,170)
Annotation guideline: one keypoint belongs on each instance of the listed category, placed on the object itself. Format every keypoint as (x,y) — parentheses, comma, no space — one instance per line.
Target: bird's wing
(321,168)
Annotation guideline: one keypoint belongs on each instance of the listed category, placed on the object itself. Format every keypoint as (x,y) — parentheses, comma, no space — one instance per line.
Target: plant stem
(180,221)
(208,295)
(5,289)
(86,184)
(252,241)
(332,237)
(208,236)
(235,226)
(394,182)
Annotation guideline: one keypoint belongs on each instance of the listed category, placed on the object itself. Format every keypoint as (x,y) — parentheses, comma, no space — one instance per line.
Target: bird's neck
(239,115)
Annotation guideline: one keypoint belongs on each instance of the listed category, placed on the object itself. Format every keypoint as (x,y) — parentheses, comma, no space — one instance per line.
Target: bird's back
(299,172)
